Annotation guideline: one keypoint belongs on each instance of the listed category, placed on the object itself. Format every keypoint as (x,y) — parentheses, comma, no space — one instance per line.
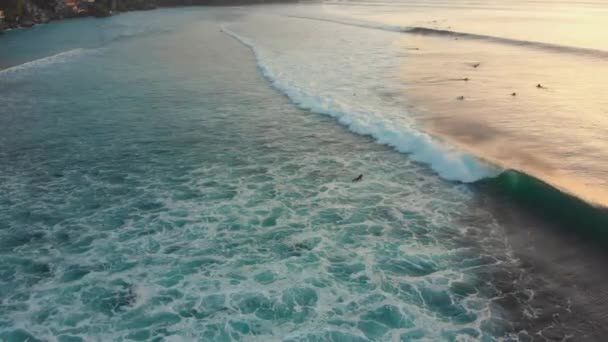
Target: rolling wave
(42,62)
(565,210)
(418,30)
(449,163)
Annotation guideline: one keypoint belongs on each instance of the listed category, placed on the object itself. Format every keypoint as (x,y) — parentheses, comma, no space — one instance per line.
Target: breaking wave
(449,163)
(563,209)
(519,187)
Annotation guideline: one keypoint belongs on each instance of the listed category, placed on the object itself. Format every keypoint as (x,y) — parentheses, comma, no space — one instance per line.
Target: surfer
(460,98)
(358,178)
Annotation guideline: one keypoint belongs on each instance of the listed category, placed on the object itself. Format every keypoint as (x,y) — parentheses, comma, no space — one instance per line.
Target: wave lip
(420,30)
(43,62)
(567,210)
(449,163)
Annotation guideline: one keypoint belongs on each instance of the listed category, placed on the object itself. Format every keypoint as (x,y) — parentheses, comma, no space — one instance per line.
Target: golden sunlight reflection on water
(557,132)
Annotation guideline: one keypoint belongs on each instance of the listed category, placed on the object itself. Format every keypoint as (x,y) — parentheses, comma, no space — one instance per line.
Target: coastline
(26,13)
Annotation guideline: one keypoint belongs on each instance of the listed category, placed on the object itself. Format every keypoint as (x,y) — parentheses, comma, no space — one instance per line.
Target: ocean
(187,174)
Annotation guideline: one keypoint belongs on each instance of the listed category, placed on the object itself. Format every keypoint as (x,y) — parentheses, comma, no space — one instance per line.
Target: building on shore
(78,6)
(71,4)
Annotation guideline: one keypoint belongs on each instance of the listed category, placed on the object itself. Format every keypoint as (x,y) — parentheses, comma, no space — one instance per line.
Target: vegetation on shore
(26,13)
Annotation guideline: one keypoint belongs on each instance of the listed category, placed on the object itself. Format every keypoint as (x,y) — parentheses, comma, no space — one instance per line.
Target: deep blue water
(157,184)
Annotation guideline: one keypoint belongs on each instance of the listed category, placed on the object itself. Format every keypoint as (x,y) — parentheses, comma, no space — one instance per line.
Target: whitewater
(44,62)
(449,163)
(186,174)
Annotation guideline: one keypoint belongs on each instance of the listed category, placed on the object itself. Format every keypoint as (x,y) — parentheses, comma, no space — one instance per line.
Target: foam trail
(448,163)
(448,33)
(42,62)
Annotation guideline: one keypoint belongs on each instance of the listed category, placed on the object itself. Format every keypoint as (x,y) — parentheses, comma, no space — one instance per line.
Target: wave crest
(449,163)
(559,207)
(42,62)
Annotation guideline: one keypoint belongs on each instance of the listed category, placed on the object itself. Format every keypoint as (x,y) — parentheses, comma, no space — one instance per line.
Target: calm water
(556,133)
(185,174)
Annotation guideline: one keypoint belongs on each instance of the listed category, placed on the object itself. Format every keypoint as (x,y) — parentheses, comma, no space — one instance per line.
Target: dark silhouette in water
(476,65)
(540,86)
(359,177)
(465,79)
(460,98)
(513,94)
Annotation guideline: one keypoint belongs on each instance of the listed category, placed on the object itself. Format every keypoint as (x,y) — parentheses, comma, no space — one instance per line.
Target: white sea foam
(43,62)
(448,162)
(270,240)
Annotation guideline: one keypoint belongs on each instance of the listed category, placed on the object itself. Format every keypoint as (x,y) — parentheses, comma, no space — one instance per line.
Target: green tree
(12,8)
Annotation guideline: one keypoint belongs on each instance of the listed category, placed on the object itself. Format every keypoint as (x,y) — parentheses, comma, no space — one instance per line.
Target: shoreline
(34,15)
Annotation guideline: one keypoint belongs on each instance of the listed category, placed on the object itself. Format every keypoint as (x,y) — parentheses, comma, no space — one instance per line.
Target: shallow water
(187,176)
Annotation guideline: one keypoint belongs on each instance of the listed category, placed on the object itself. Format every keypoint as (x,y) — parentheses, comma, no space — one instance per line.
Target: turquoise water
(157,184)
